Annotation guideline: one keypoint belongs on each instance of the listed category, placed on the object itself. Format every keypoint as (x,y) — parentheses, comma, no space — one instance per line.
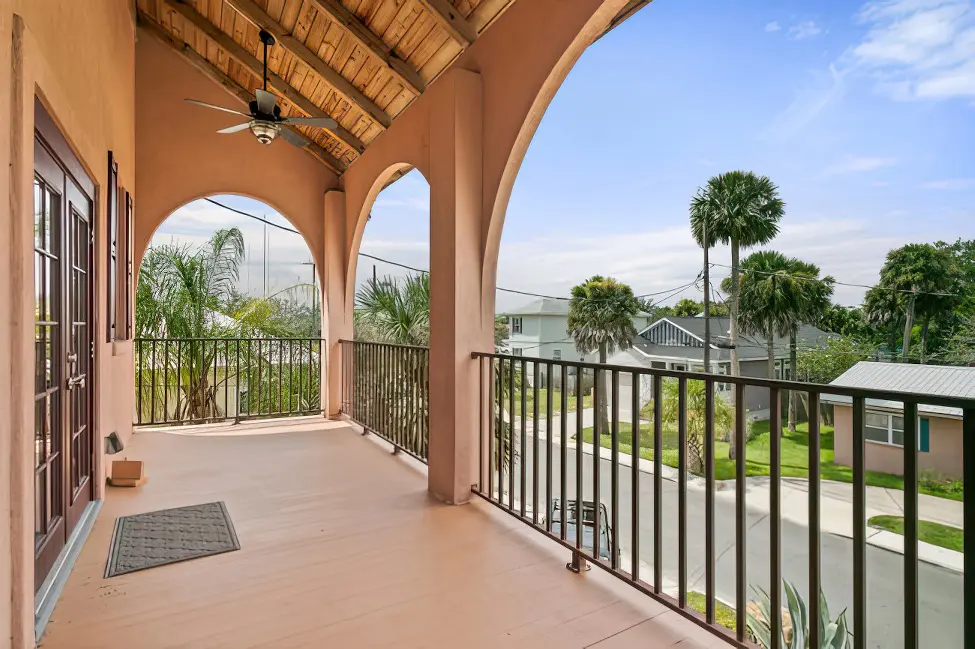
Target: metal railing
(531,468)
(386,390)
(202,380)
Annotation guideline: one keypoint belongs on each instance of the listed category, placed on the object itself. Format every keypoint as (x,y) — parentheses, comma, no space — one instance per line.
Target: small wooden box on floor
(128,473)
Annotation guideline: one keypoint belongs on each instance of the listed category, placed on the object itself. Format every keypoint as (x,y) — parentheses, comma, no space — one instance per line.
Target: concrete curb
(928,553)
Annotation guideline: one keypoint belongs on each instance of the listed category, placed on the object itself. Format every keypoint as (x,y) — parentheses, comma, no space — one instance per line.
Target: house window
(556,354)
(680,367)
(517,351)
(516,325)
(886,428)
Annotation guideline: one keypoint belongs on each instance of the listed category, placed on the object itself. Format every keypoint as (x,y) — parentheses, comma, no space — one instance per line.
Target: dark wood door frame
(64,444)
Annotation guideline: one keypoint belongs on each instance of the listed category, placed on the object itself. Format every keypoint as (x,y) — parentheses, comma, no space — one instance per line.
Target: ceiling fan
(265,120)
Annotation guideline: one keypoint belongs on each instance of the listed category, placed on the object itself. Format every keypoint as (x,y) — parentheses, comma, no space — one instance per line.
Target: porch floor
(340,547)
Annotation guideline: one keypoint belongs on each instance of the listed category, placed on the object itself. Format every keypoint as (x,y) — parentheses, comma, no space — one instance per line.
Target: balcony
(340,546)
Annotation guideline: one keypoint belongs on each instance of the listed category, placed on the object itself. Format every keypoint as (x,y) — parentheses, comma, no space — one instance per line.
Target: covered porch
(341,545)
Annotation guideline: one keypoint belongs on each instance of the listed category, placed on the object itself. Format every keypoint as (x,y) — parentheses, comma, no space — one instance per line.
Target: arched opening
(228,316)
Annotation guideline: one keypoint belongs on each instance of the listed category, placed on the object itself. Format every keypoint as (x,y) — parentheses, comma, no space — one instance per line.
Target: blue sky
(863,114)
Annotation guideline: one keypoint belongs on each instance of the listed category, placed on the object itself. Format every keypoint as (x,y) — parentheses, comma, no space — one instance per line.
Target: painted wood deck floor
(340,547)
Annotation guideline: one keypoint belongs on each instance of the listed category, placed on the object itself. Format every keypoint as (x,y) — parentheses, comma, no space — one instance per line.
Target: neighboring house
(677,343)
(939,428)
(541,329)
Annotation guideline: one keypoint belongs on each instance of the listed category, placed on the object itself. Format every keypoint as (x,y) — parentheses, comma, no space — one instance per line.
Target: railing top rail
(378,344)
(229,338)
(781,384)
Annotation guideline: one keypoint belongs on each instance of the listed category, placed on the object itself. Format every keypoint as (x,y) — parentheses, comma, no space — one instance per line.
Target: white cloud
(860,164)
(773,26)
(950,183)
(803,30)
(919,49)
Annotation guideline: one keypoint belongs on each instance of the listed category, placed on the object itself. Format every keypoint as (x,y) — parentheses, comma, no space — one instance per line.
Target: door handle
(76,382)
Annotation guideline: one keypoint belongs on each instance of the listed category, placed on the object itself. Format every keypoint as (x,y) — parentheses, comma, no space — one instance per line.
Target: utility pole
(265,257)
(314,284)
(374,274)
(707,301)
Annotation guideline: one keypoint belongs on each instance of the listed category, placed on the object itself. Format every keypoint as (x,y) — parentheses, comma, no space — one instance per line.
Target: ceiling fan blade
(265,101)
(235,129)
(294,138)
(322,122)
(226,110)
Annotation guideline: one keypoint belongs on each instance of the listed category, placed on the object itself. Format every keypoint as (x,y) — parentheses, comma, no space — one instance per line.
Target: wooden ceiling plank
(248,60)
(351,25)
(284,38)
(450,18)
(212,72)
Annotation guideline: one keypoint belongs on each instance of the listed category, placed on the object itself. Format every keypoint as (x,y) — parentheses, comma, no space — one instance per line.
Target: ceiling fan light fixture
(265,132)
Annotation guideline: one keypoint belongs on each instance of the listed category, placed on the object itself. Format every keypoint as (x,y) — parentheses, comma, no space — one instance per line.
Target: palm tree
(601,314)
(741,209)
(398,312)
(778,293)
(181,293)
(392,311)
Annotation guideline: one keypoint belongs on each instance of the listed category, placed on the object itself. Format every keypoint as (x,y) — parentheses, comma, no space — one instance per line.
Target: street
(940,589)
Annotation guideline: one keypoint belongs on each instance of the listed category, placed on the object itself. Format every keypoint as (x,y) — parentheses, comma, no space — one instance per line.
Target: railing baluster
(636,381)
(658,485)
(579,482)
(166,381)
(968,516)
(563,449)
(179,379)
(859,526)
(524,435)
(614,471)
(497,461)
(141,370)
(597,432)
(910,526)
(511,435)
(549,419)
(480,425)
(536,374)
(681,484)
(709,502)
(152,382)
(775,513)
(741,520)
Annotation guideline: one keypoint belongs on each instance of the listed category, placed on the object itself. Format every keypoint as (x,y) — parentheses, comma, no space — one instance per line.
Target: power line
(821,281)
(252,216)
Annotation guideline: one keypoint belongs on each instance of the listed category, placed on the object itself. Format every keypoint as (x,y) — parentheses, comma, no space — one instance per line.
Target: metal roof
(940,380)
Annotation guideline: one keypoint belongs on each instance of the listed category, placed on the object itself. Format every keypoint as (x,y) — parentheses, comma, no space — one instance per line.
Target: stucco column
(457,317)
(336,304)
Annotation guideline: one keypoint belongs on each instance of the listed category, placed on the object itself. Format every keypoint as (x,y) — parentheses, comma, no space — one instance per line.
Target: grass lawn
(723,614)
(543,402)
(795,457)
(933,533)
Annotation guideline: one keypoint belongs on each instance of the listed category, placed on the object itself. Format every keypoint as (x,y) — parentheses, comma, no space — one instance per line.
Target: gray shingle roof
(549,306)
(750,346)
(940,380)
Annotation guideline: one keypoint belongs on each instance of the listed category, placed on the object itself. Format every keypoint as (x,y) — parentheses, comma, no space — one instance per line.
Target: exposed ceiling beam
(237,52)
(249,10)
(351,25)
(450,19)
(217,75)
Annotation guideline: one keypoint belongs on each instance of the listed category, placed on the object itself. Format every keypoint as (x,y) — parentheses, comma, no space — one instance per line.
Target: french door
(63,343)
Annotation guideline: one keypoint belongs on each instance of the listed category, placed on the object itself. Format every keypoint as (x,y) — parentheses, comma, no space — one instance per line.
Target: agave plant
(833,634)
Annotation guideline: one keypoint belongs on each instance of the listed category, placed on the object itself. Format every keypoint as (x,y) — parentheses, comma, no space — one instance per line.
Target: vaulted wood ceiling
(360,62)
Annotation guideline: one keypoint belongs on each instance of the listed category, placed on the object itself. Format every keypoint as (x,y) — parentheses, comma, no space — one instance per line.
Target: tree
(394,311)
(688,308)
(720,310)
(824,365)
(601,313)
(724,417)
(500,332)
(741,209)
(844,320)
(181,293)
(778,293)
(925,281)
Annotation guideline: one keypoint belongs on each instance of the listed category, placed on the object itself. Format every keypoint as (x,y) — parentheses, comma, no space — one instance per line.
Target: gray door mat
(169,536)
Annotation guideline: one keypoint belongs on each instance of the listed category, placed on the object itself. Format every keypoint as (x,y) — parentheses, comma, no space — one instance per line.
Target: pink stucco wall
(944,457)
